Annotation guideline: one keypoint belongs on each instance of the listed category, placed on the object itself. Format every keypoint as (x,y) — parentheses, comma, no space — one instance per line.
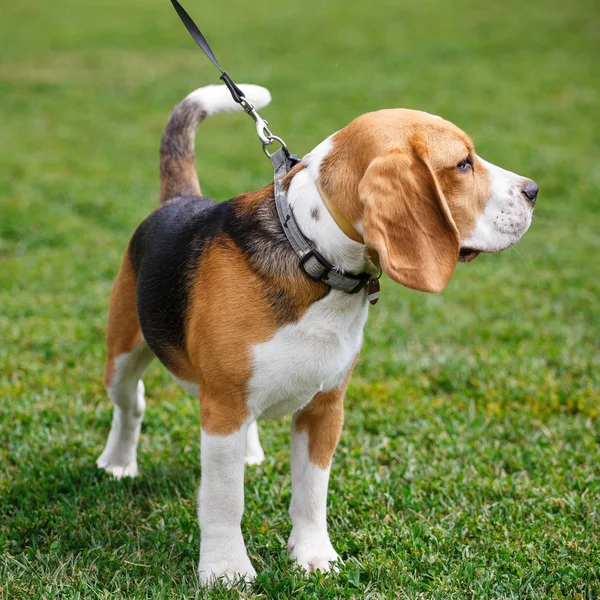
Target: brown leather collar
(339,218)
(345,225)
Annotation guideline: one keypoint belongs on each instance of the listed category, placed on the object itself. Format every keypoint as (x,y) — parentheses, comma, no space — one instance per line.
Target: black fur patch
(163,249)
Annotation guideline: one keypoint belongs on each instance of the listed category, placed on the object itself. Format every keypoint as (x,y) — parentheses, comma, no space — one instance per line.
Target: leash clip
(262,126)
(265,135)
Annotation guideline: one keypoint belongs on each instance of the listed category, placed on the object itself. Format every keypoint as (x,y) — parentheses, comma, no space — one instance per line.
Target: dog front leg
(221,505)
(315,433)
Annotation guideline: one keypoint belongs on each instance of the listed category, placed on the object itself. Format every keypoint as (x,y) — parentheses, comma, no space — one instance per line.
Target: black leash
(199,38)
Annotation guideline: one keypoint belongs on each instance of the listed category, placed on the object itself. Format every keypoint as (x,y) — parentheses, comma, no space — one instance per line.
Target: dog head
(412,183)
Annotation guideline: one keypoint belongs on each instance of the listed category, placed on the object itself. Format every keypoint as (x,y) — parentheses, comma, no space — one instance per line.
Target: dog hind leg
(254,454)
(127,358)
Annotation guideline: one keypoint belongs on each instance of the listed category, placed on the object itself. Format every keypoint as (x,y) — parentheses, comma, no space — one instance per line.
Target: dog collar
(312,261)
(347,228)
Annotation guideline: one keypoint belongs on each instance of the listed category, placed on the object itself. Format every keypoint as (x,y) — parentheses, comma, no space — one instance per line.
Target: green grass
(470,461)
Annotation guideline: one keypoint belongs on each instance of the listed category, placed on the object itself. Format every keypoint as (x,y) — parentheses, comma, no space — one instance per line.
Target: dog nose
(530,191)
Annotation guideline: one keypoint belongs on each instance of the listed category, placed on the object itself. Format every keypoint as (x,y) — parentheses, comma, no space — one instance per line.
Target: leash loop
(273,138)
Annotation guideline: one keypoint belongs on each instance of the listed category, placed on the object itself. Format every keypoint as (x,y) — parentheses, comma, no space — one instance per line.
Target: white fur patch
(254,454)
(216,98)
(309,356)
(506,216)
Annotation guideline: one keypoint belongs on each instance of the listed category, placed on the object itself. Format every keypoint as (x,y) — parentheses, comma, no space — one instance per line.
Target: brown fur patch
(123,331)
(322,420)
(178,177)
(342,169)
(408,223)
(225,319)
(180,366)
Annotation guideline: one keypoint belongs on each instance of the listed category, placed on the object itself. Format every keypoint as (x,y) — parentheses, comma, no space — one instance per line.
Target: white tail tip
(216,98)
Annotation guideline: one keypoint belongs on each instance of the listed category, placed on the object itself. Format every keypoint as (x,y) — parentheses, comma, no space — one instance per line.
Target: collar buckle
(317,267)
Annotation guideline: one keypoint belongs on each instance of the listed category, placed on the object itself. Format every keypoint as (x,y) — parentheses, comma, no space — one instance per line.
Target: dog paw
(226,572)
(311,560)
(254,454)
(118,468)
(254,459)
(313,553)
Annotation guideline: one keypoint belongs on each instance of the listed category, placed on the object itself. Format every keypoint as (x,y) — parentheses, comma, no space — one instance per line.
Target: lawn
(470,461)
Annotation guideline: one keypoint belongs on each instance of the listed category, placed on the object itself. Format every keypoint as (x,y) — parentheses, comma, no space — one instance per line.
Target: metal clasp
(262,127)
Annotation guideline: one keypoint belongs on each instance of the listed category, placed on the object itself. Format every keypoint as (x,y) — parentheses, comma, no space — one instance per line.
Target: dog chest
(311,355)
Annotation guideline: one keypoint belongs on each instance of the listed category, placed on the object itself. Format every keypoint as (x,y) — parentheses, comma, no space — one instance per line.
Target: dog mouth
(466,255)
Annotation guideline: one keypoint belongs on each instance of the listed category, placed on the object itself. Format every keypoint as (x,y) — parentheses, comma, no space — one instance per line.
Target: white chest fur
(309,356)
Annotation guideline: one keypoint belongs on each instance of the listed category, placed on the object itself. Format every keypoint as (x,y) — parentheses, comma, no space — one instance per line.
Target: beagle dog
(215,291)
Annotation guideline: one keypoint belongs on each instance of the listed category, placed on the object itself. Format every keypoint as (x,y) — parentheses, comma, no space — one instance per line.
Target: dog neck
(339,218)
(318,223)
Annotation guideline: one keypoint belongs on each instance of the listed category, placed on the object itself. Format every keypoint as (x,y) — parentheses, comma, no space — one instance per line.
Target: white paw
(313,552)
(255,458)
(254,454)
(228,572)
(117,467)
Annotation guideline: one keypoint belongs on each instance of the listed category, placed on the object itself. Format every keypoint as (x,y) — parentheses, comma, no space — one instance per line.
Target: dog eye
(465,165)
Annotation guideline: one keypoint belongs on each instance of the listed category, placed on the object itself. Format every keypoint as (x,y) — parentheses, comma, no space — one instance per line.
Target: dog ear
(408,222)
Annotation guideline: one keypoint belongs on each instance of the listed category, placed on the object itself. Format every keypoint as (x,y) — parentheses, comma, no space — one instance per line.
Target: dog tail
(178,175)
